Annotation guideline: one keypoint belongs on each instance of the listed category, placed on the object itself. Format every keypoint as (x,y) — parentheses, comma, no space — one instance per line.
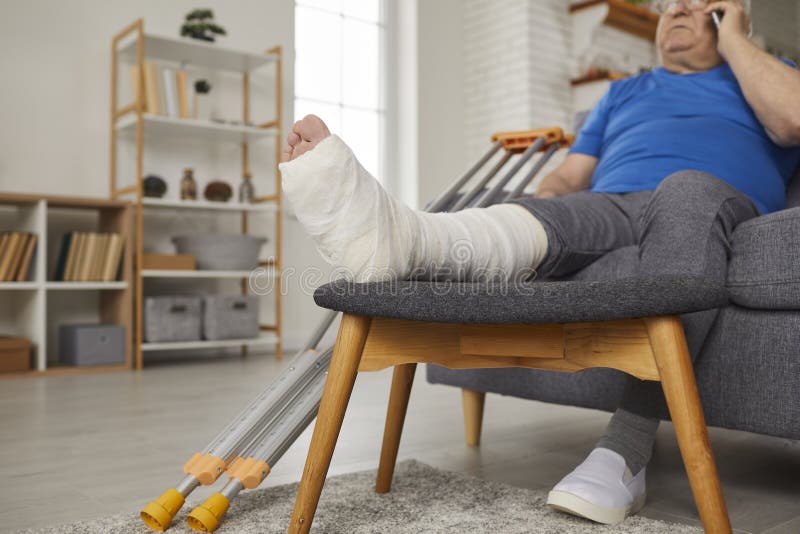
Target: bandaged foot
(369,236)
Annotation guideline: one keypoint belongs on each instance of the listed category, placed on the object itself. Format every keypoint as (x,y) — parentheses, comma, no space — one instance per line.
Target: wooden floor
(76,447)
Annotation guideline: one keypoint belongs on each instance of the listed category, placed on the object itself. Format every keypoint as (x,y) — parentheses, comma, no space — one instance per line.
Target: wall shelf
(171,127)
(18,286)
(194,52)
(205,205)
(167,273)
(29,310)
(263,339)
(132,125)
(631,18)
(67,286)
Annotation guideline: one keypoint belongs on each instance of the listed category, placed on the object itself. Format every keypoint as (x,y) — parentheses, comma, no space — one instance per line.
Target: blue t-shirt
(652,125)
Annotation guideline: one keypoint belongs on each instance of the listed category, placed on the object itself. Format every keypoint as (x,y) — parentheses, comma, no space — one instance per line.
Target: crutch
(253,465)
(264,411)
(205,467)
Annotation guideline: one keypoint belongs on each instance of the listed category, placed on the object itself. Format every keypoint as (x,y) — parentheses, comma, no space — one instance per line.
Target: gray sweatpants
(683,227)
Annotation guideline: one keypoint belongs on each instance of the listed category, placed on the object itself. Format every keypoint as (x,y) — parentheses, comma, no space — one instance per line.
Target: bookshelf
(134,128)
(31,307)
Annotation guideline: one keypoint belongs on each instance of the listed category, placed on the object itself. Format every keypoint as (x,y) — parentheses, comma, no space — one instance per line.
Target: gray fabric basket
(172,319)
(230,317)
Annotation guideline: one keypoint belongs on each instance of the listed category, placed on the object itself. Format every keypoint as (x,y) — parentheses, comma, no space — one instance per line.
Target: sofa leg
(680,390)
(402,380)
(338,387)
(473,402)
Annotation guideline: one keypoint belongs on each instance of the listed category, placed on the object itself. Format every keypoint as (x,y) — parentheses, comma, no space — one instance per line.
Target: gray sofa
(746,354)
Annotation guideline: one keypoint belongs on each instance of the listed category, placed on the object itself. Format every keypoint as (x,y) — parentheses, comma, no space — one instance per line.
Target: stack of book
(89,257)
(16,253)
(165,91)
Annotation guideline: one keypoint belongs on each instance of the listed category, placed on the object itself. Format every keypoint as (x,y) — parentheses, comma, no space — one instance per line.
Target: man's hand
(574,174)
(735,24)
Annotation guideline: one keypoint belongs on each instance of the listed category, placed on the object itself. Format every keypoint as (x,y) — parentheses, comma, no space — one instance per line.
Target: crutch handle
(519,141)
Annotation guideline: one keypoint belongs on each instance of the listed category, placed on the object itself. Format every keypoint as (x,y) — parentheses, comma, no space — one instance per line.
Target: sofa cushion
(524,303)
(764,270)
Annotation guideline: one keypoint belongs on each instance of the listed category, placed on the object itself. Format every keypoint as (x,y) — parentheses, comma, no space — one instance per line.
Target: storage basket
(230,317)
(172,319)
(91,344)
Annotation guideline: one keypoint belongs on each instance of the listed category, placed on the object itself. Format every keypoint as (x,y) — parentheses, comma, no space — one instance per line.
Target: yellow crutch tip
(158,514)
(207,516)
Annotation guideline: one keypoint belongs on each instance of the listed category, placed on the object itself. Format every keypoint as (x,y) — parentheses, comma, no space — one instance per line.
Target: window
(339,47)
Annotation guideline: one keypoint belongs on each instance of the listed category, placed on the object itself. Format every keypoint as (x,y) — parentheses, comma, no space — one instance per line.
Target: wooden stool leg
(473,402)
(680,389)
(402,380)
(338,387)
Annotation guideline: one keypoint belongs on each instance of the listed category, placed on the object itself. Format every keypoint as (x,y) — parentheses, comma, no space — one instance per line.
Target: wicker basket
(230,317)
(172,319)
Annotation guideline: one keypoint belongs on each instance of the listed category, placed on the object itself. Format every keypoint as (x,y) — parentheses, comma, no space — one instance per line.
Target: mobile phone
(717,17)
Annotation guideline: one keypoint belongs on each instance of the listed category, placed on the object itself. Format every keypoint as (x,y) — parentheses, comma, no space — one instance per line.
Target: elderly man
(670,160)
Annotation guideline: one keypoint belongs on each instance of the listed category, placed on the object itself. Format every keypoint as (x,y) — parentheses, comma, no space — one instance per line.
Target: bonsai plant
(199,24)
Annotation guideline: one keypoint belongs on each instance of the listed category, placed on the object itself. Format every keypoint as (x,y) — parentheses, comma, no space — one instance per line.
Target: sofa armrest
(763,269)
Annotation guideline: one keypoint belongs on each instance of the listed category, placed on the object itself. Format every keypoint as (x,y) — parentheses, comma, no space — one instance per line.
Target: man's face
(687,36)
(686,31)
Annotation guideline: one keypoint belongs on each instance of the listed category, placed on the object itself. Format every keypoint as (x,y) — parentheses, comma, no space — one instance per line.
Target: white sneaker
(601,488)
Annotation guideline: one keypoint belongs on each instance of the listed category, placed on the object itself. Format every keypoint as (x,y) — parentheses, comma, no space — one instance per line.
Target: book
(97,262)
(112,258)
(170,92)
(102,257)
(3,244)
(8,254)
(90,249)
(25,266)
(183,95)
(80,247)
(72,254)
(61,263)
(135,85)
(16,258)
(151,89)
(117,264)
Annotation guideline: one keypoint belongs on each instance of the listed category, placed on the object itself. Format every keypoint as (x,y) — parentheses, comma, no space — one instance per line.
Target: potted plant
(199,24)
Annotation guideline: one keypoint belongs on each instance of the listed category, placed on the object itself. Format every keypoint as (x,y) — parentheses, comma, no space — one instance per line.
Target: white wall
(54,101)
(441,96)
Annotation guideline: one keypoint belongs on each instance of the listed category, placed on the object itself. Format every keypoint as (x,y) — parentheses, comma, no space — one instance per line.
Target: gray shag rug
(422,500)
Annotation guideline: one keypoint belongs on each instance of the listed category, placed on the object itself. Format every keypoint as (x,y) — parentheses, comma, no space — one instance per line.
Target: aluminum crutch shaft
(248,471)
(204,468)
(523,159)
(517,191)
(447,196)
(467,197)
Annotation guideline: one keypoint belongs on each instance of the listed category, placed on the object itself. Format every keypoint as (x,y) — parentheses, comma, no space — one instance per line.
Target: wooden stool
(650,348)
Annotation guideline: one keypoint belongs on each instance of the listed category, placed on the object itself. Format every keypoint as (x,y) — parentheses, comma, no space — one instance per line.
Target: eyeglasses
(671,6)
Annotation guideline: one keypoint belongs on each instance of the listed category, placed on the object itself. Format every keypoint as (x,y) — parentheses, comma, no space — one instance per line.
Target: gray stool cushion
(525,303)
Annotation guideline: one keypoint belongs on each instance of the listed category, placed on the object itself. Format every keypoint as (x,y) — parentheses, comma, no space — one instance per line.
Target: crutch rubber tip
(158,514)
(207,516)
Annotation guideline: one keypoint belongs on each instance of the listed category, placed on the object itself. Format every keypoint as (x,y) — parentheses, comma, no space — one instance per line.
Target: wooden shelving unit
(624,16)
(28,307)
(130,123)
